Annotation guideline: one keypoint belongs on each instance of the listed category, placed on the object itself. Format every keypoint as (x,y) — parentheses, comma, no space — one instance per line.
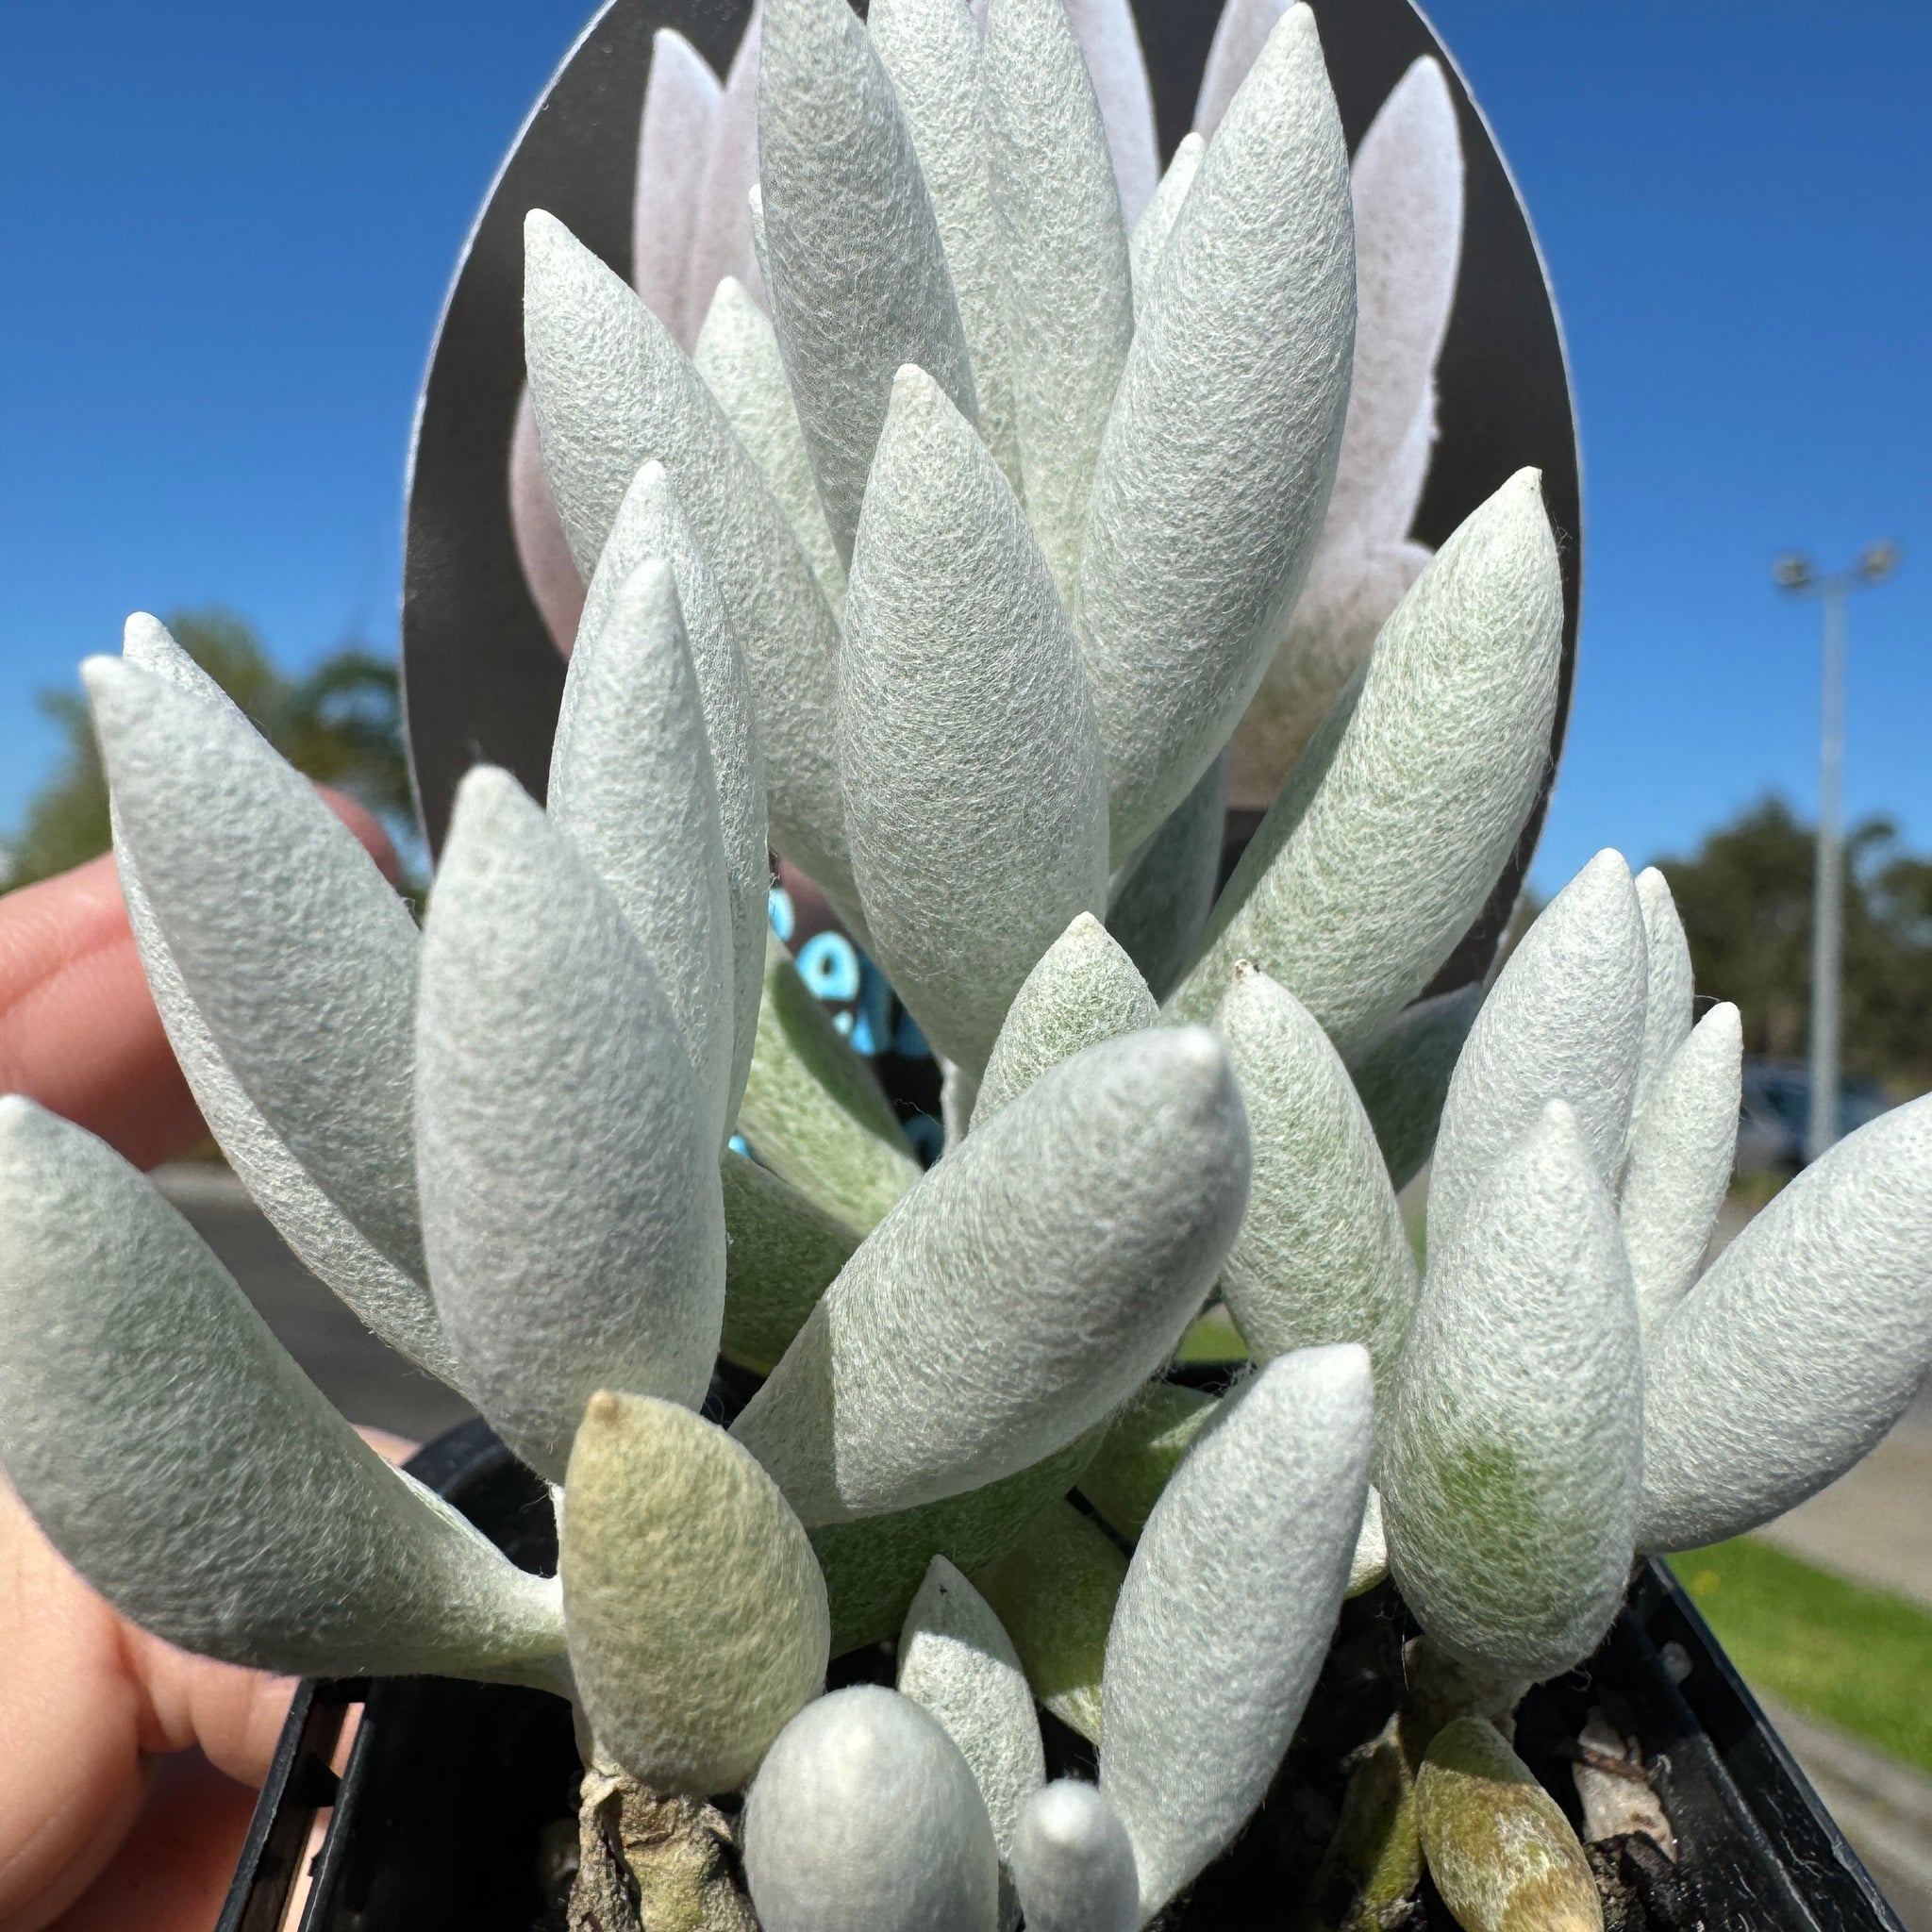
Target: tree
(1745,899)
(342,725)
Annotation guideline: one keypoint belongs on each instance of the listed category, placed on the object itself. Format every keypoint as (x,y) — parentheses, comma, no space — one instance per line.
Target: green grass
(1853,1657)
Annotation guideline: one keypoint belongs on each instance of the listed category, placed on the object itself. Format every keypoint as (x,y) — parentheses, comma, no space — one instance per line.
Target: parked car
(1776,1113)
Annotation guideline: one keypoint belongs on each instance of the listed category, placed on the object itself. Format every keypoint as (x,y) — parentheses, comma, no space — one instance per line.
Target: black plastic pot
(458,1799)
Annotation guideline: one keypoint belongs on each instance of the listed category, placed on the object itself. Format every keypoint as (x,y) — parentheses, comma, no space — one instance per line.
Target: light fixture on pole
(1795,576)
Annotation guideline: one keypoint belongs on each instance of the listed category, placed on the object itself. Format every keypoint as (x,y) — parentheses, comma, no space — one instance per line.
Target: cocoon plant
(1074,1864)
(1401,1076)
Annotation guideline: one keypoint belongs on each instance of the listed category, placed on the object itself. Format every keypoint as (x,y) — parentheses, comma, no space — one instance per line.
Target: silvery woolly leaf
(1084,990)
(613,391)
(1322,1255)
(1031,1282)
(1801,1345)
(1069,294)
(931,50)
(1668,998)
(1074,1864)
(813,1110)
(781,1253)
(1239,34)
(567,1170)
(1228,1610)
(1054,1591)
(1151,232)
(1401,1076)
(631,788)
(1389,836)
(680,120)
(1158,902)
(1563,1022)
(738,356)
(550,571)
(866,1814)
(317,1105)
(1681,1148)
(1142,1447)
(672,1530)
(1511,1444)
(720,242)
(176,1455)
(858,278)
(651,526)
(873,1567)
(975,799)
(957,1661)
(1220,450)
(1111,47)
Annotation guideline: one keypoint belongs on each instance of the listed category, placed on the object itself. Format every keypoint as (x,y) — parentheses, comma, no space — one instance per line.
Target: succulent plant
(1067,482)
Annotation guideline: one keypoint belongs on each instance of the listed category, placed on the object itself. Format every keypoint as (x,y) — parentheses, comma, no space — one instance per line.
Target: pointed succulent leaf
(550,571)
(569,1177)
(1151,232)
(813,1110)
(1801,1345)
(865,1813)
(631,788)
(736,355)
(1228,1610)
(1072,1862)
(1084,990)
(931,49)
(319,1112)
(1498,1847)
(1240,35)
(1111,47)
(1054,1592)
(860,283)
(1370,1564)
(1563,1022)
(1681,1149)
(720,242)
(1158,902)
(1511,1443)
(782,1252)
(651,526)
(1070,303)
(681,101)
(957,1661)
(613,391)
(1389,836)
(175,1454)
(1028,1285)
(1667,1003)
(1142,1447)
(672,1532)
(1401,1076)
(1220,450)
(968,747)
(873,1567)
(1322,1255)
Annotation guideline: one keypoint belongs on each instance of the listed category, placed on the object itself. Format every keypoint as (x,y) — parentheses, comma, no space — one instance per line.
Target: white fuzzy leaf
(720,241)
(1511,1453)
(931,49)
(1563,1022)
(1219,452)
(858,278)
(1240,35)
(1069,294)
(1029,1283)
(1074,1864)
(1111,46)
(1800,1347)
(175,1454)
(631,788)
(651,525)
(1227,1609)
(865,1814)
(1322,1255)
(570,1187)
(1668,1002)
(680,118)
(1391,835)
(1151,232)
(1681,1149)
(1401,1076)
(1084,990)
(1158,902)
(782,1252)
(613,391)
(550,571)
(968,747)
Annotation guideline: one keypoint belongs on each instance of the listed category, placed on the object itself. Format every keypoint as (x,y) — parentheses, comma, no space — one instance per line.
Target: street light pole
(1795,576)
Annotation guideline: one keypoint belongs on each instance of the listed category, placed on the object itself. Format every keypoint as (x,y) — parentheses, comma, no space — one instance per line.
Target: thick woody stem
(653,1865)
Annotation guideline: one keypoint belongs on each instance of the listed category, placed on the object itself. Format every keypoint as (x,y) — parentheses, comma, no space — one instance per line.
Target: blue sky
(228,230)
